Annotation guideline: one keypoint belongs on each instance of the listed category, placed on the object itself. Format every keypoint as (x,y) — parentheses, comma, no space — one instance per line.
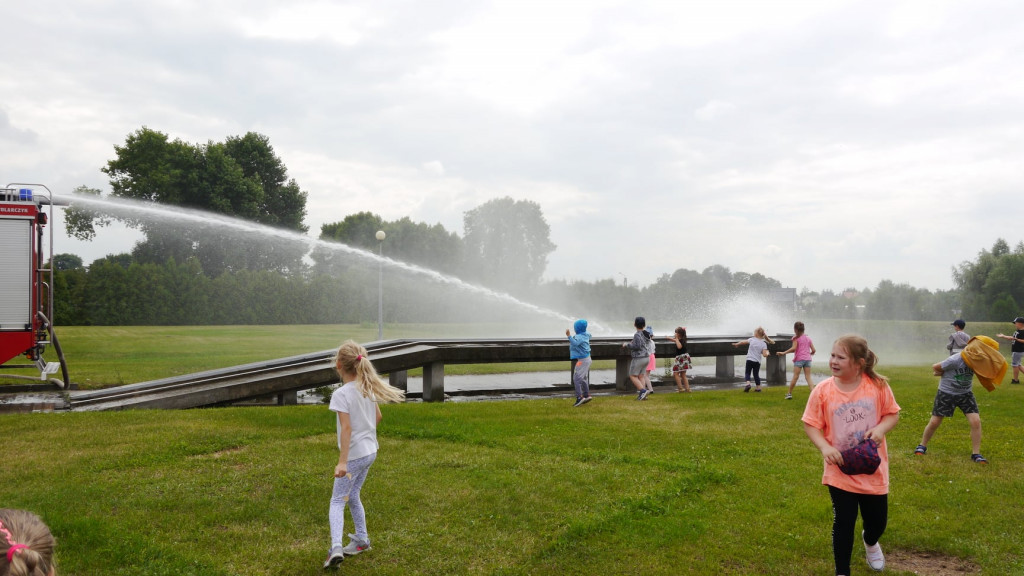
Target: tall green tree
(993,283)
(507,243)
(429,246)
(358,230)
(241,178)
(282,203)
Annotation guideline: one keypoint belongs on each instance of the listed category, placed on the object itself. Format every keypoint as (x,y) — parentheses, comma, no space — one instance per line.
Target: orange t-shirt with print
(844,418)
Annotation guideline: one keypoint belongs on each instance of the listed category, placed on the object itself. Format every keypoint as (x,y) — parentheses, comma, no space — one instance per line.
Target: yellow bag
(983,357)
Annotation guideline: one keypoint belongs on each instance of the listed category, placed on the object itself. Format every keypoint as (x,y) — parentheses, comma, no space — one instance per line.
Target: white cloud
(434,167)
(305,21)
(840,140)
(713,109)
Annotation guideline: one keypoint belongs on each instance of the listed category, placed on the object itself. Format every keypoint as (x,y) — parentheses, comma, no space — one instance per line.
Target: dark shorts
(946,404)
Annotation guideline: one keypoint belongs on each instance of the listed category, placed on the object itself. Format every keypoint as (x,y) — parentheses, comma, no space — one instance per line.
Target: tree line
(118,290)
(185,275)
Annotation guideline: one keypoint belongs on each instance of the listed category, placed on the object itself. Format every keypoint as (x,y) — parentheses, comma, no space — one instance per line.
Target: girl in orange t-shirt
(854,404)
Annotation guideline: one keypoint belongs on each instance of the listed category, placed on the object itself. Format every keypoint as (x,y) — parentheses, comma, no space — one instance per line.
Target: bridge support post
(288,398)
(725,367)
(622,383)
(399,379)
(433,382)
(775,369)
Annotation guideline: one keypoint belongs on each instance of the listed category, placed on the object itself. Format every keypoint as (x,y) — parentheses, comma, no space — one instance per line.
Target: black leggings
(874,510)
(755,369)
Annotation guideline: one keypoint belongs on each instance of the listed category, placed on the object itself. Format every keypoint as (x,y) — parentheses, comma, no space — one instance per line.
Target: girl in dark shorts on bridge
(355,404)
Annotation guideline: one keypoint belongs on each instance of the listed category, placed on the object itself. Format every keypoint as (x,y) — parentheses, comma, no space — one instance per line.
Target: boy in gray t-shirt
(958,339)
(955,391)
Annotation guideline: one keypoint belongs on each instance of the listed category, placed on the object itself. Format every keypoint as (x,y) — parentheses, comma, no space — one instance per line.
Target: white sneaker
(354,546)
(876,560)
(334,557)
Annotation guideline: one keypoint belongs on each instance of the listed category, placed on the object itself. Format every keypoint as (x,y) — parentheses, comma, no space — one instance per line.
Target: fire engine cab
(26,283)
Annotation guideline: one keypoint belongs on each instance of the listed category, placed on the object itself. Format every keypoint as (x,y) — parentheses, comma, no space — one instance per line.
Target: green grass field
(716,482)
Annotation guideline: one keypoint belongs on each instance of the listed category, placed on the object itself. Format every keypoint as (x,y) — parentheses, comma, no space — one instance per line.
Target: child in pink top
(802,350)
(853,405)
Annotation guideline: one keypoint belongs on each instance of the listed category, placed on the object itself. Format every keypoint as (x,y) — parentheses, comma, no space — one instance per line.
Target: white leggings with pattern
(346,491)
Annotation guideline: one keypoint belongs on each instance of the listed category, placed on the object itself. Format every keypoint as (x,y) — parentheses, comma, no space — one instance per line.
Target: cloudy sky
(824,144)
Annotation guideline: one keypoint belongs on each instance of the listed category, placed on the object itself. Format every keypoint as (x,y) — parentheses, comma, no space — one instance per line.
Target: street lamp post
(380,285)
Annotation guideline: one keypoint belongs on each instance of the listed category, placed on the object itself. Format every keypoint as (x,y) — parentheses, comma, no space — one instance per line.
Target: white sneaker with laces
(876,560)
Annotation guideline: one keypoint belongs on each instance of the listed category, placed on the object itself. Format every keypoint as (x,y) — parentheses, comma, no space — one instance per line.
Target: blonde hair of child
(32,542)
(760,333)
(857,348)
(354,359)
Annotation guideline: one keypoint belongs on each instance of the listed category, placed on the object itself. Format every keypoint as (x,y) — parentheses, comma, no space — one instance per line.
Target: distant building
(783,298)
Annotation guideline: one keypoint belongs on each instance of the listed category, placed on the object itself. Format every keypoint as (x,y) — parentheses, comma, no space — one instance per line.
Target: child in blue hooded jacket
(579,350)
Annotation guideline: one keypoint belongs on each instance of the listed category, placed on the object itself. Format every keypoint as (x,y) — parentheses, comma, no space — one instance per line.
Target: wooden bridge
(285,377)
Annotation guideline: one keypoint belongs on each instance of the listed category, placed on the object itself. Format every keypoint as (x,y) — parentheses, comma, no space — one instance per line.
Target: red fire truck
(26,283)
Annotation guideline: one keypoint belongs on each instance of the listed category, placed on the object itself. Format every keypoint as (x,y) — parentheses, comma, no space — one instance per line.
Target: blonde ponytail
(354,359)
(26,544)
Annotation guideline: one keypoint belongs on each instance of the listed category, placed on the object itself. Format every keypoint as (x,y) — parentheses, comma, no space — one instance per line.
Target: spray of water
(162,213)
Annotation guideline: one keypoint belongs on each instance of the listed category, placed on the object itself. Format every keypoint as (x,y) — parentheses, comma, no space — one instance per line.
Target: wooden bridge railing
(284,377)
(396,358)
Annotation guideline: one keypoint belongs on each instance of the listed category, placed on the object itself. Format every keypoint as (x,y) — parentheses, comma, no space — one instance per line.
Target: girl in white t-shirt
(757,348)
(358,414)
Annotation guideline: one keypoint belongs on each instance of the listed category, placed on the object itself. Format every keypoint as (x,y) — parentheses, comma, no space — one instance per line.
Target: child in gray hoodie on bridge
(579,350)
(640,357)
